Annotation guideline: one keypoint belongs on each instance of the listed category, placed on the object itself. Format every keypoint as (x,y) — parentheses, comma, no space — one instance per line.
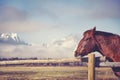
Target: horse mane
(105,33)
(102,33)
(111,40)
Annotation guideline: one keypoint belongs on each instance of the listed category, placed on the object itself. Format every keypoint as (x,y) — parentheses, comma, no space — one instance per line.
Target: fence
(91,66)
(52,62)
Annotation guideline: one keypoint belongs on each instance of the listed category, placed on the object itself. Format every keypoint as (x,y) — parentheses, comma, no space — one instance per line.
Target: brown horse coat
(107,44)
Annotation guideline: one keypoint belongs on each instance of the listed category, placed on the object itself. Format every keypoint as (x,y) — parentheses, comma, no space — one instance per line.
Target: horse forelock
(90,33)
(87,32)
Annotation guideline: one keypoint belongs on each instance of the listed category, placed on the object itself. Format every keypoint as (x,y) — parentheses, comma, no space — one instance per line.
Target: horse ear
(93,31)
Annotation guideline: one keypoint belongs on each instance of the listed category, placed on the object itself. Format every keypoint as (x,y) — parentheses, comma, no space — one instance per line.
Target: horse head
(87,44)
(107,44)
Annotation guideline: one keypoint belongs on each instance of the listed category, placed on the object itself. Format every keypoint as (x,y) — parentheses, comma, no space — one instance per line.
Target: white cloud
(15,20)
(86,10)
(62,48)
(45,14)
(9,13)
(23,26)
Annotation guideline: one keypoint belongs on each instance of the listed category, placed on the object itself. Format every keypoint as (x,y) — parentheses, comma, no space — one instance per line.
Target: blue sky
(48,21)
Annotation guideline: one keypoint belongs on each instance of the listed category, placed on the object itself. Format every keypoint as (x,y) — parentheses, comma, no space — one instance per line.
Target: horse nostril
(77,51)
(76,54)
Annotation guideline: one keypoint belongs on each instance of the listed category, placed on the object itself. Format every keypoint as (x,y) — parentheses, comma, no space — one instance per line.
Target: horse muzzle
(76,54)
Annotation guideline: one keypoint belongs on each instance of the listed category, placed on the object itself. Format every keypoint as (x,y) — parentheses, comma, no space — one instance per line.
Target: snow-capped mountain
(11,38)
(7,36)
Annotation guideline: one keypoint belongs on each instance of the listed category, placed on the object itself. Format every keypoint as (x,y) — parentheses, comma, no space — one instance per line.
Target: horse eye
(88,39)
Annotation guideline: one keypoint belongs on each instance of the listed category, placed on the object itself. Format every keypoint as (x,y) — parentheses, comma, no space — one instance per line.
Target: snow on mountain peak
(6,36)
(11,38)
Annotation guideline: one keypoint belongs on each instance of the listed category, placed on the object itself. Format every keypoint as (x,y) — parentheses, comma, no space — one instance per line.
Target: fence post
(91,67)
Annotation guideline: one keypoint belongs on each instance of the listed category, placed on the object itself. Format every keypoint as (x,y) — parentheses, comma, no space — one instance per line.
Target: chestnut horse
(107,44)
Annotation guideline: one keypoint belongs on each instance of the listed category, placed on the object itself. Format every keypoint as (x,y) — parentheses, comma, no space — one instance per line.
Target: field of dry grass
(53,73)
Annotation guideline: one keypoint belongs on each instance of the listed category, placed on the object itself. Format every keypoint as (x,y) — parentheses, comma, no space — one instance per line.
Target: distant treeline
(16,58)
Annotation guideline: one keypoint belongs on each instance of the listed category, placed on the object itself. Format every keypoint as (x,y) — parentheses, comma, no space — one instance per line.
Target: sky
(54,27)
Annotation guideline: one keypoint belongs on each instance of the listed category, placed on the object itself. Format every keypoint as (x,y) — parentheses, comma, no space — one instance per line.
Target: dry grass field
(53,73)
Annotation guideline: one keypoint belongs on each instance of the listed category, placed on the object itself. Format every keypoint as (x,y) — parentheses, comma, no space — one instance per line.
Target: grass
(53,73)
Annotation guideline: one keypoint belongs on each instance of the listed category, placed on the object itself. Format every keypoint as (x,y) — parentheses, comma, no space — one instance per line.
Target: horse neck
(109,46)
